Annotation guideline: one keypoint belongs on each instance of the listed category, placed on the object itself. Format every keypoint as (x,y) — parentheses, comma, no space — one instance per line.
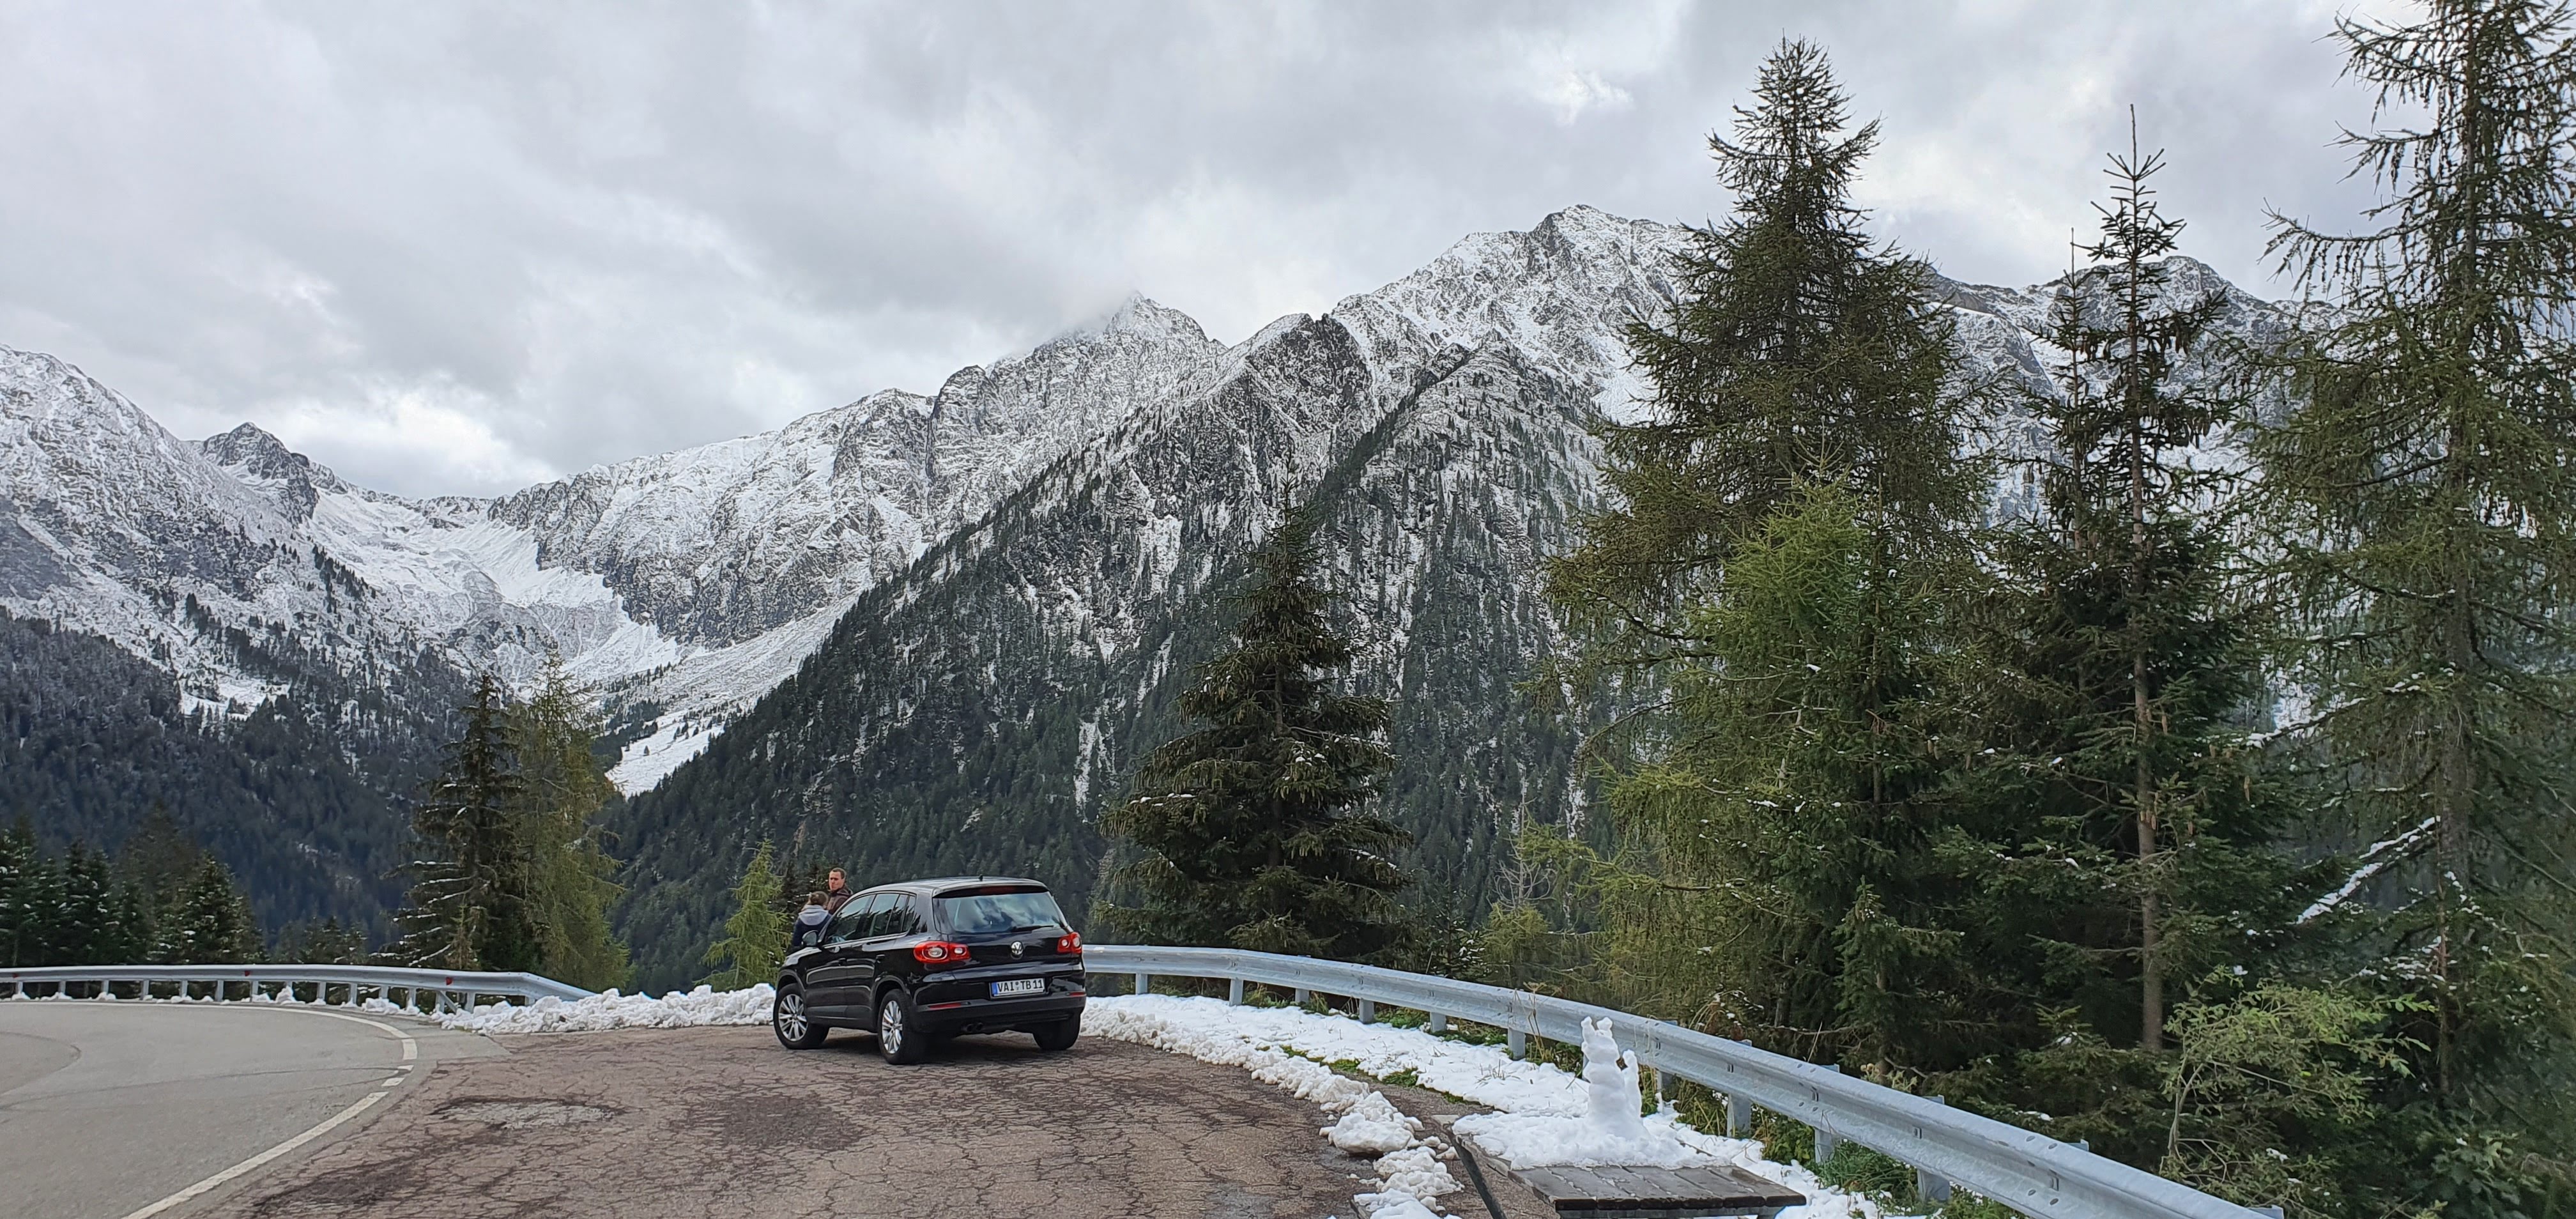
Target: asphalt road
(109,1108)
(721,1122)
(106,1108)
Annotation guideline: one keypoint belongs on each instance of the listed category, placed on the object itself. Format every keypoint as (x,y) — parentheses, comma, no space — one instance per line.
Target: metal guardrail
(2031,1173)
(439,988)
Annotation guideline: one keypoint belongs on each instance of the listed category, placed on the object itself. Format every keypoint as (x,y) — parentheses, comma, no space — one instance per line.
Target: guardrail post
(1932,1186)
(1144,983)
(1739,1116)
(1436,1025)
(1368,1011)
(1234,990)
(1827,1143)
(1516,1043)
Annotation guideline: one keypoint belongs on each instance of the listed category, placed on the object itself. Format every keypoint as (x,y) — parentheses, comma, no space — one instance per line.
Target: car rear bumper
(967,1006)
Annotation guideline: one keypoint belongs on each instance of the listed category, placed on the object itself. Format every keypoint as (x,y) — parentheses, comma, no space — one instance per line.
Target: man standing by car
(836,891)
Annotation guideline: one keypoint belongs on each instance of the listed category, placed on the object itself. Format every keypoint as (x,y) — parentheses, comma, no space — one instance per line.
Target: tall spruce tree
(470,904)
(1784,554)
(1798,350)
(25,907)
(86,931)
(756,936)
(2424,492)
(209,922)
(562,791)
(1254,827)
(2121,679)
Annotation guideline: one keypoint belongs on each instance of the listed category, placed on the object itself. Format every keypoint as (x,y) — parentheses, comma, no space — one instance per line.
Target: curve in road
(109,1109)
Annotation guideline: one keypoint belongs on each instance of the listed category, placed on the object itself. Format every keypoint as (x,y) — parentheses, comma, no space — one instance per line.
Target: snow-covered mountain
(684,584)
(978,710)
(687,585)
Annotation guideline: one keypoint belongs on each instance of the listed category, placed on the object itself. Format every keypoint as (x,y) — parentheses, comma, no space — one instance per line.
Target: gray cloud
(457,248)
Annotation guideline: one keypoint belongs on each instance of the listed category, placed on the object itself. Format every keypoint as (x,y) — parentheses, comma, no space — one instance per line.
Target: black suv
(927,959)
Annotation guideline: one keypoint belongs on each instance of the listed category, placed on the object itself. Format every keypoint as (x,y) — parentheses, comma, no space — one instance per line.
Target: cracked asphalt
(722,1122)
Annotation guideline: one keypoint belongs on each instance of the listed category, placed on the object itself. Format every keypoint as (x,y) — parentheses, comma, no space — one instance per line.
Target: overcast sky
(456,248)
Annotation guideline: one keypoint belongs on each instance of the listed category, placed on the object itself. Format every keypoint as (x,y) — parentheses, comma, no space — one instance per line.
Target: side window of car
(902,917)
(852,922)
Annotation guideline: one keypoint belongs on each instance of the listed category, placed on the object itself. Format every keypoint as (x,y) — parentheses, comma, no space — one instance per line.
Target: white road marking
(410,1051)
(410,1048)
(328,1125)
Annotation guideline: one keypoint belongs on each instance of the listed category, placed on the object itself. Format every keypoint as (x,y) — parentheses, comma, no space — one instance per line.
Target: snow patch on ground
(1410,1172)
(1544,1113)
(610,1010)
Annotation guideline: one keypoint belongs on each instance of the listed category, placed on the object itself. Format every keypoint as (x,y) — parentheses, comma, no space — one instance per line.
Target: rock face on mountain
(928,632)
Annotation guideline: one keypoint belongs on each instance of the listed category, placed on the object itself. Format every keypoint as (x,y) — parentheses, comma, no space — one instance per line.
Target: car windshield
(986,912)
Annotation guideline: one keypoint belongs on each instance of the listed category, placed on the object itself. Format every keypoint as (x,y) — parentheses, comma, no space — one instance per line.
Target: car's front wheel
(1057,1036)
(898,1038)
(787,1017)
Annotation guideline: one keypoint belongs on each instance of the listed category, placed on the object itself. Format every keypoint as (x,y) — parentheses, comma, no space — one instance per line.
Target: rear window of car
(986,911)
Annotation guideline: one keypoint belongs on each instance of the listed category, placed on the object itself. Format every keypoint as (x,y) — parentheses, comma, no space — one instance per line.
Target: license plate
(1019,986)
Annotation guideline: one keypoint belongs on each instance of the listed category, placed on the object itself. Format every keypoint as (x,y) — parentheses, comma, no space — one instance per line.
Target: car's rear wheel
(898,1038)
(1057,1036)
(795,1028)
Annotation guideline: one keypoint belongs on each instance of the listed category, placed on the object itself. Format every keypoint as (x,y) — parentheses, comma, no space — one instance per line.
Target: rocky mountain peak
(258,458)
(1148,319)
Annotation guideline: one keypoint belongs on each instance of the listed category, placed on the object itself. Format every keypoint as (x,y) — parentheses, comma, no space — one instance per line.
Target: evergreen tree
(2119,680)
(2426,514)
(210,922)
(562,791)
(1798,350)
(24,911)
(756,936)
(1785,555)
(1252,827)
(469,904)
(1785,880)
(86,930)
(137,925)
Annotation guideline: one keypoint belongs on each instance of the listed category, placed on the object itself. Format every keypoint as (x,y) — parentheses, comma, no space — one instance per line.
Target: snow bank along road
(107,1109)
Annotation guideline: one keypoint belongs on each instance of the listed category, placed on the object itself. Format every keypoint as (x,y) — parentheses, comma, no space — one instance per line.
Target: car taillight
(1070,944)
(937,953)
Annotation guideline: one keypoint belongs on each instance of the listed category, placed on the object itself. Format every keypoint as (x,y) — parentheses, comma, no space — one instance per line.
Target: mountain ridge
(689,587)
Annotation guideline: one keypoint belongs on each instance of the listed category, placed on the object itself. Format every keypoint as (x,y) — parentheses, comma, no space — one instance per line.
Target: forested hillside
(978,714)
(304,797)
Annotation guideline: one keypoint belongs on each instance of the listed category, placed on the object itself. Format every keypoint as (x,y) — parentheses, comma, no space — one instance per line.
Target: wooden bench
(1608,1192)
